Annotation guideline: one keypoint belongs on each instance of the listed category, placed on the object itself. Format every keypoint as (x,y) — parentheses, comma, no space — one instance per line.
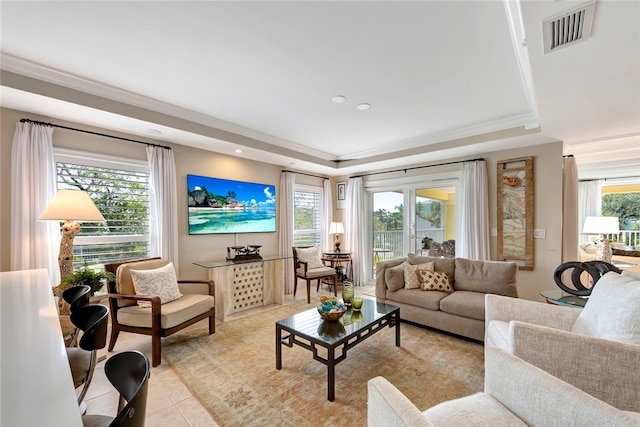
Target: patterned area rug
(233,375)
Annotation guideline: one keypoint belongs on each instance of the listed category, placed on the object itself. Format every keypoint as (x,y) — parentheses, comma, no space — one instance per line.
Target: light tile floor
(169,401)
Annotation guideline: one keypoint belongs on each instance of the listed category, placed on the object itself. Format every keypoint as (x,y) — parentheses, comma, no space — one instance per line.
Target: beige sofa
(460,312)
(516,393)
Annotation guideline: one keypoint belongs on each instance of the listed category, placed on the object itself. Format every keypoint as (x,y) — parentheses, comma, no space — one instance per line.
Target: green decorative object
(356,303)
(94,279)
(347,292)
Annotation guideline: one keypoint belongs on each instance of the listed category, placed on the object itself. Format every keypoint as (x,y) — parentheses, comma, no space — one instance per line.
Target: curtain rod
(36,122)
(307,174)
(604,179)
(418,167)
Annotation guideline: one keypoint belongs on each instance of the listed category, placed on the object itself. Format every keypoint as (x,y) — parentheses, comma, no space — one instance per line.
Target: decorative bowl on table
(331,309)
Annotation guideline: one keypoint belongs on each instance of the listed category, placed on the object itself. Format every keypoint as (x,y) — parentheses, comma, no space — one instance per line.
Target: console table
(241,286)
(36,384)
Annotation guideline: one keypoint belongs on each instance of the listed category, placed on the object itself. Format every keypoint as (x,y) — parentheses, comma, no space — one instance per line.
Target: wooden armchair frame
(297,264)
(156,331)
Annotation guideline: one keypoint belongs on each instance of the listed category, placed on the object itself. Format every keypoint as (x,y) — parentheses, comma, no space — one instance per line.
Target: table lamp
(337,229)
(70,206)
(602,225)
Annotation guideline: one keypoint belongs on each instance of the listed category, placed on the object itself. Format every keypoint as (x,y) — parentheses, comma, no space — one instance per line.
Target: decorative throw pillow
(434,281)
(160,282)
(612,311)
(394,277)
(311,256)
(589,247)
(411,278)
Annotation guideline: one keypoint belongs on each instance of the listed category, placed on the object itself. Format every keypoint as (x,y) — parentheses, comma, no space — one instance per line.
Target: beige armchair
(158,320)
(308,265)
(594,349)
(516,393)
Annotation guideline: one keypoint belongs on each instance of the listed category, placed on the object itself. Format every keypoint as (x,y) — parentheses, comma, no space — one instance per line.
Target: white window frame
(64,155)
(320,192)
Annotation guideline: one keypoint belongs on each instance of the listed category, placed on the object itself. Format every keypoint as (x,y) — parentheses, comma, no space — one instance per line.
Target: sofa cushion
(394,277)
(464,304)
(428,300)
(434,281)
(492,277)
(479,409)
(612,311)
(497,335)
(439,264)
(412,276)
(160,281)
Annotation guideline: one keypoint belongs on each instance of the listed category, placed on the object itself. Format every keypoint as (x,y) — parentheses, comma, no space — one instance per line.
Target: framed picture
(341,194)
(341,188)
(515,211)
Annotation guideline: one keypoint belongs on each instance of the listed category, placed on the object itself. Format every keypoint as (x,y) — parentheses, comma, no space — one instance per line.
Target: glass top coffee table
(308,330)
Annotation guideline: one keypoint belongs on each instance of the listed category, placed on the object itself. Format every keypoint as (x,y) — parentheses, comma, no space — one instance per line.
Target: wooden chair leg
(308,291)
(156,350)
(212,324)
(114,336)
(335,285)
(295,285)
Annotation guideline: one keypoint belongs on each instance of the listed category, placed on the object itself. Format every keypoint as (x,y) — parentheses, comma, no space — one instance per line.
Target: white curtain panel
(354,235)
(285,226)
(472,239)
(326,241)
(163,204)
(569,209)
(589,203)
(34,244)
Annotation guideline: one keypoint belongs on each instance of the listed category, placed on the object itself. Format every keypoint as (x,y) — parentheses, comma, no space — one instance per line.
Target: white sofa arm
(608,370)
(541,399)
(506,309)
(388,407)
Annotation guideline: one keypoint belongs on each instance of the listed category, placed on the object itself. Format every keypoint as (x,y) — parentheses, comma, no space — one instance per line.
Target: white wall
(548,196)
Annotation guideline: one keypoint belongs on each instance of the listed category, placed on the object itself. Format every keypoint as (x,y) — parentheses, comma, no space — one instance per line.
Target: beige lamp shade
(73,205)
(601,225)
(336,228)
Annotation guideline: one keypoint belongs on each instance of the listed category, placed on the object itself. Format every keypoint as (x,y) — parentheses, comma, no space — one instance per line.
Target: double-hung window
(307,202)
(120,189)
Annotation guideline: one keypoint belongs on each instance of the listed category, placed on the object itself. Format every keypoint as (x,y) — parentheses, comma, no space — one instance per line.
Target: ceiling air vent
(568,28)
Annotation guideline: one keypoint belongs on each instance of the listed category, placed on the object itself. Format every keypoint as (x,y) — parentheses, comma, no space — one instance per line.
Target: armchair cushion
(613,310)
(311,256)
(173,313)
(313,273)
(160,281)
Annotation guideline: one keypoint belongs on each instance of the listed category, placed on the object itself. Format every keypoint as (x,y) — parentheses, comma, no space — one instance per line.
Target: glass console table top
(557,296)
(217,264)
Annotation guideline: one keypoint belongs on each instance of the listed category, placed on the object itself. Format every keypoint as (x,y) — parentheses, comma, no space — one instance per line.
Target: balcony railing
(630,238)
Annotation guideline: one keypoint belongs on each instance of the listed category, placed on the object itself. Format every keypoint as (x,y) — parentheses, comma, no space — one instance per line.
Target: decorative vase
(347,291)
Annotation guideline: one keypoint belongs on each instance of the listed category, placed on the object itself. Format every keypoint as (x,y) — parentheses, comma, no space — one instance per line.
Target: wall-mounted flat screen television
(219,205)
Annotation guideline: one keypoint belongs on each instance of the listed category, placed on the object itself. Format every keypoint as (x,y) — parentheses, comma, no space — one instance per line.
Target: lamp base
(65,258)
(336,244)
(603,251)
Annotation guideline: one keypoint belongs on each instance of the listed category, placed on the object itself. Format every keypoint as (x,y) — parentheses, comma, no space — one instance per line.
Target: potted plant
(94,279)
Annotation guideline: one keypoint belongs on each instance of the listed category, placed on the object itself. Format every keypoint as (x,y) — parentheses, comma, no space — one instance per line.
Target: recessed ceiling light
(238,150)
(364,106)
(339,99)
(154,131)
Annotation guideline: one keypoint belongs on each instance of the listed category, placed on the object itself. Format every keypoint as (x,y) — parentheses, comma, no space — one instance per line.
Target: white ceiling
(444,78)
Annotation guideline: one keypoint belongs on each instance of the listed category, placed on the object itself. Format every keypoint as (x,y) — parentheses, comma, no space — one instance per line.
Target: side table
(559,297)
(341,261)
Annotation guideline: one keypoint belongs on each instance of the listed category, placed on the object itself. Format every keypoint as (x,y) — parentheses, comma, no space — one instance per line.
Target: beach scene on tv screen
(219,205)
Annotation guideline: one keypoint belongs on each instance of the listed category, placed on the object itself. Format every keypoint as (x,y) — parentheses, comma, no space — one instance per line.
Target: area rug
(232,373)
